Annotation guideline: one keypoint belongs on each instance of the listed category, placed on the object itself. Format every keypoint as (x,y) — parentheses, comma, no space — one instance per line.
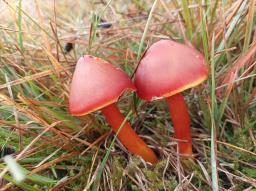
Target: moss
(158,180)
(117,172)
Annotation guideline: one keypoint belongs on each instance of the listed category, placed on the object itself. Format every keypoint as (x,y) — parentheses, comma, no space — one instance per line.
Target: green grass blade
(204,31)
(94,23)
(215,186)
(187,18)
(146,30)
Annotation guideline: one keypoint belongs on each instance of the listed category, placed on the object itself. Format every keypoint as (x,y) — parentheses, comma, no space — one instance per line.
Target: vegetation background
(59,152)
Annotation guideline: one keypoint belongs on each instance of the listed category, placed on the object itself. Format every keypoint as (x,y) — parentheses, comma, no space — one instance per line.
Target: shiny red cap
(96,84)
(168,68)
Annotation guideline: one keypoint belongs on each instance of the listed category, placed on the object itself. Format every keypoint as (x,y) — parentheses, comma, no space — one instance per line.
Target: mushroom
(97,84)
(166,69)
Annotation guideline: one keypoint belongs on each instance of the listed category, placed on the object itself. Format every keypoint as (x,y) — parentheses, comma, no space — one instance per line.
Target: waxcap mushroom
(96,84)
(168,68)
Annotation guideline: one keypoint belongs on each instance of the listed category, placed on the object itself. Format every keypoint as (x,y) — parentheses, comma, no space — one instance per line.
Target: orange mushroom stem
(181,123)
(127,135)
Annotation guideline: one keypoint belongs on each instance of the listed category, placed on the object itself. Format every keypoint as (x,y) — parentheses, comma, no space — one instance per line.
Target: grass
(59,152)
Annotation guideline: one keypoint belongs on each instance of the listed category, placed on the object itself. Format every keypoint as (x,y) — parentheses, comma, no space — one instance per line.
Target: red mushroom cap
(96,84)
(168,68)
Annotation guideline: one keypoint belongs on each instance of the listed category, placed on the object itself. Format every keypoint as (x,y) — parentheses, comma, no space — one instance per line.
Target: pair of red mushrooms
(166,69)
